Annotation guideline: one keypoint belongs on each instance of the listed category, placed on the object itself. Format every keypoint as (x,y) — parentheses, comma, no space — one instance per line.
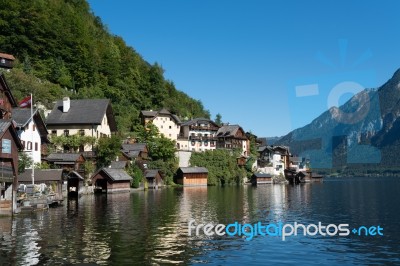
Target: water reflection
(151,227)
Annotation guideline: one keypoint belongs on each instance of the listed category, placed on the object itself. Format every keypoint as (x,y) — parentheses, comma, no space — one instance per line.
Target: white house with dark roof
(32,132)
(198,134)
(89,117)
(168,124)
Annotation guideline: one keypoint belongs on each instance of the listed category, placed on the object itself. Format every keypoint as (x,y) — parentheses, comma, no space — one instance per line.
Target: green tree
(24,161)
(108,150)
(218,119)
(137,175)
(222,166)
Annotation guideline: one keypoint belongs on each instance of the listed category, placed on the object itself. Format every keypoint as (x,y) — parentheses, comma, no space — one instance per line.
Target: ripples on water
(152,227)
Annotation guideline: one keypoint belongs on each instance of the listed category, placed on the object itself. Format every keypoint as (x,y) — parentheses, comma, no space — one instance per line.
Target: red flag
(26,102)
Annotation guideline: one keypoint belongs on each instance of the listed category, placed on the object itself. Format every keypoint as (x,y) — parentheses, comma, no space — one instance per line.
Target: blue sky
(244,59)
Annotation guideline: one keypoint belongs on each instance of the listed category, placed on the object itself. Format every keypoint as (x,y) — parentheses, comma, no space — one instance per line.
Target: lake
(151,227)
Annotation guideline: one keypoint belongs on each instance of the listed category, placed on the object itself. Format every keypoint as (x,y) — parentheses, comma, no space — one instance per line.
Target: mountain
(63,49)
(362,133)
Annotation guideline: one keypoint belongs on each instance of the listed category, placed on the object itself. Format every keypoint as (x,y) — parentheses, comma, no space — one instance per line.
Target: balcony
(203,128)
(202,138)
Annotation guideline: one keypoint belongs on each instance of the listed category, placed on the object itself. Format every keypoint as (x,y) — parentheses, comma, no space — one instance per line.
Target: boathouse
(261,178)
(111,180)
(53,178)
(75,184)
(154,179)
(192,176)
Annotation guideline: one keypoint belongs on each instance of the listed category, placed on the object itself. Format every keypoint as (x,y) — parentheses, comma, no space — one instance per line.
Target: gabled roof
(191,170)
(258,175)
(74,175)
(63,157)
(153,114)
(229,131)
(131,154)
(134,147)
(22,116)
(83,112)
(7,56)
(118,164)
(41,175)
(199,121)
(152,173)
(115,174)
(8,124)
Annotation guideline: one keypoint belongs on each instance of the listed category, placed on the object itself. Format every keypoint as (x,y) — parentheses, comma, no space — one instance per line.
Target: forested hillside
(62,48)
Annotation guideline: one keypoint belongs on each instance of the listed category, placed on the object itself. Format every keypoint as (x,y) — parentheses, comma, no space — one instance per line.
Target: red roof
(7,56)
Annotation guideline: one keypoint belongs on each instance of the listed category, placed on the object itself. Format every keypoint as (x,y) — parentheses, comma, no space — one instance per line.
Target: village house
(233,137)
(197,135)
(134,152)
(273,159)
(111,180)
(192,176)
(32,132)
(6,61)
(168,124)
(67,161)
(7,100)
(88,117)
(10,145)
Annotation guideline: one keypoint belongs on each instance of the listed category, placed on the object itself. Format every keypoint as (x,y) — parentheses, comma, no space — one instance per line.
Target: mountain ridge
(364,131)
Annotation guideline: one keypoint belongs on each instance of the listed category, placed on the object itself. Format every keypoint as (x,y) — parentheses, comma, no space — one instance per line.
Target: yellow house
(168,124)
(87,117)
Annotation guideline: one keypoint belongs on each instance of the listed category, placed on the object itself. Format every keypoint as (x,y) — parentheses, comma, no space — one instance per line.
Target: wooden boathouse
(261,178)
(192,176)
(154,179)
(111,180)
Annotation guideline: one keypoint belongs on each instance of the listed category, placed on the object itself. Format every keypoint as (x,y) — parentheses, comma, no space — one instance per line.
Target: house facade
(32,132)
(168,124)
(198,135)
(7,100)
(10,144)
(233,137)
(6,61)
(87,117)
(273,159)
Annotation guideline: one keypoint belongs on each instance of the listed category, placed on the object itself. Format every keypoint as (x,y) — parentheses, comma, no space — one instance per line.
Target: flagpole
(33,162)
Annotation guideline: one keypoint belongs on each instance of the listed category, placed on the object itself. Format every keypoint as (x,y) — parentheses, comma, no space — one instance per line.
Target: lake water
(152,227)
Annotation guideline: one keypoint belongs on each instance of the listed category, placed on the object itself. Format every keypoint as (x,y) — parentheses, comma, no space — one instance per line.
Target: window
(162,126)
(36,146)
(23,143)
(29,146)
(66,132)
(81,132)
(170,127)
(34,127)
(54,132)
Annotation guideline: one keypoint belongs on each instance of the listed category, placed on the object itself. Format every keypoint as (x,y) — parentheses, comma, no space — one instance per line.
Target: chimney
(66,104)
